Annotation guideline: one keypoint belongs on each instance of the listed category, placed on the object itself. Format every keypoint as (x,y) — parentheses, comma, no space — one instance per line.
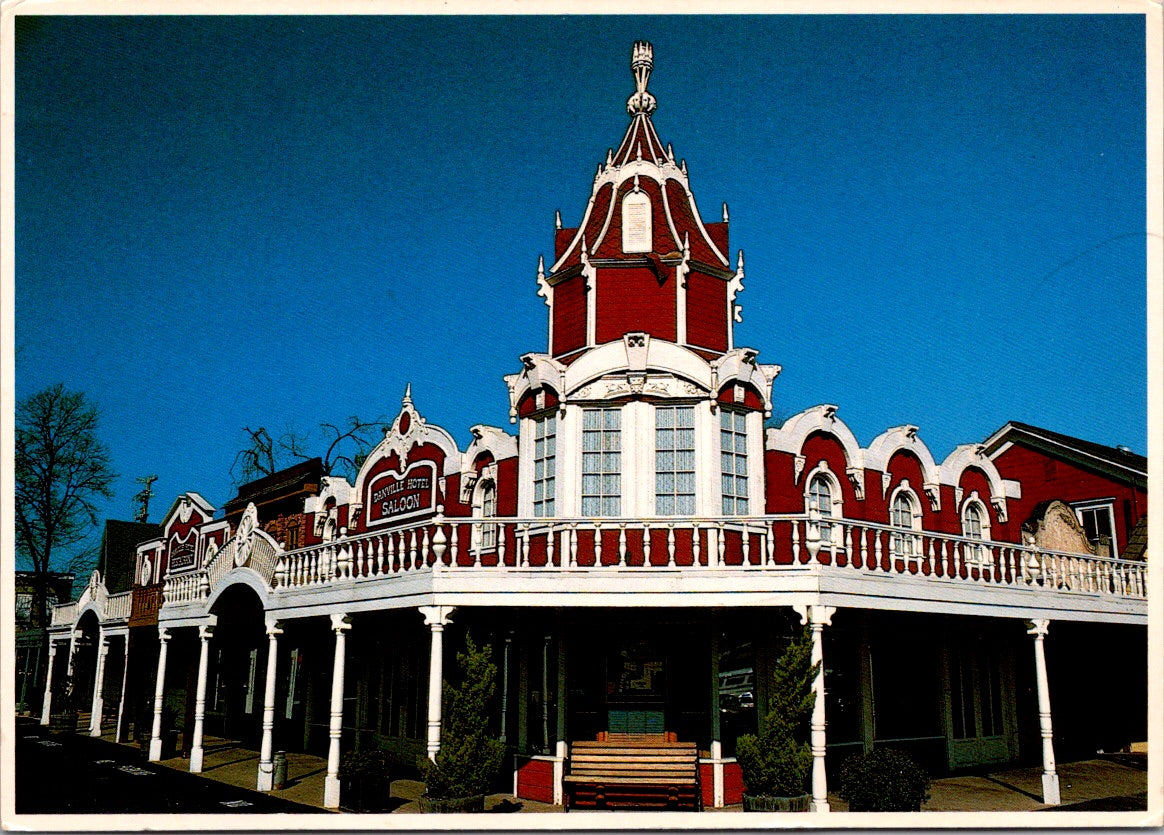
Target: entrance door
(978,716)
(636,688)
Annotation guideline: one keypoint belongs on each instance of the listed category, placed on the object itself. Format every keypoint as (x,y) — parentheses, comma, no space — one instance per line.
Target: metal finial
(541,268)
(407,399)
(642,61)
(557,219)
(725,213)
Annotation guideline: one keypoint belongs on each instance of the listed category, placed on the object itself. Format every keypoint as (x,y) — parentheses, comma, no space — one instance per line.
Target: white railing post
(47,702)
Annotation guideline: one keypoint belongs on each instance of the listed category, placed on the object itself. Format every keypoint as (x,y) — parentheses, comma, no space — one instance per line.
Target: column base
(331,792)
(820,806)
(94,730)
(1050,789)
(196,760)
(266,779)
(155,749)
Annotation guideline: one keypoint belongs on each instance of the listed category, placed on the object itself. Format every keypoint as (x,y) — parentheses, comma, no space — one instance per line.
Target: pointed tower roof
(643,165)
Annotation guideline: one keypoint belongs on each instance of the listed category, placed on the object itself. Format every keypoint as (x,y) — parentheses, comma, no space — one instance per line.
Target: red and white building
(637,546)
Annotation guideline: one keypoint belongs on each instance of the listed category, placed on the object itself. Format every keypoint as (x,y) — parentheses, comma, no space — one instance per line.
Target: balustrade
(763,543)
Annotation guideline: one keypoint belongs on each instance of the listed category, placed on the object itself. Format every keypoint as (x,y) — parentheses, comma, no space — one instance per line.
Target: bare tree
(348,445)
(61,470)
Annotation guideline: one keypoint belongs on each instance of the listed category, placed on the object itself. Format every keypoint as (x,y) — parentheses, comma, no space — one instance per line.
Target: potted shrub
(776,764)
(364,780)
(63,716)
(470,758)
(884,780)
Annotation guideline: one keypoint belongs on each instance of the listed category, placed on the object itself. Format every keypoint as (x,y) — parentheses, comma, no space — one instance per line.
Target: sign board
(392,496)
(181,556)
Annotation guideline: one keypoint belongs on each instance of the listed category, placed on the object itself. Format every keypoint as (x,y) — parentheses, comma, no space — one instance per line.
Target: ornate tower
(642,259)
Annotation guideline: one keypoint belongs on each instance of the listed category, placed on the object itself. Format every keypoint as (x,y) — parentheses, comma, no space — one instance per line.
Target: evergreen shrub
(778,761)
(884,780)
(469,758)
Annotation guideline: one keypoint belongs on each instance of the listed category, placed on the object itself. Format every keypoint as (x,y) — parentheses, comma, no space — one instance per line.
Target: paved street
(60,773)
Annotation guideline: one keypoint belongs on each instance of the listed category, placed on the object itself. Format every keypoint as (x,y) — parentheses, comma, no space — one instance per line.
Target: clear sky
(243,221)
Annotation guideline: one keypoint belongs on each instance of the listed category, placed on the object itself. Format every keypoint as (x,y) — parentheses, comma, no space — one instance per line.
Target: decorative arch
(633,355)
(539,371)
(974,455)
(791,436)
(739,366)
(904,438)
(245,576)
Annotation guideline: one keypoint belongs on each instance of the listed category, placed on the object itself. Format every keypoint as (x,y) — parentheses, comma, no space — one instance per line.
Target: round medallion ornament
(242,548)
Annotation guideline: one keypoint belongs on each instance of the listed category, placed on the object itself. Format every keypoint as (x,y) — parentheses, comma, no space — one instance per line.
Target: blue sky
(242,221)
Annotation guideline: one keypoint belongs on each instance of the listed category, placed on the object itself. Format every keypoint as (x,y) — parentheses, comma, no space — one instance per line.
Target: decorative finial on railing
(557,218)
(642,61)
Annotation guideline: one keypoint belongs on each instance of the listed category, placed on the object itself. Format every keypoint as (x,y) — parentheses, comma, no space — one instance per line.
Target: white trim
(790,437)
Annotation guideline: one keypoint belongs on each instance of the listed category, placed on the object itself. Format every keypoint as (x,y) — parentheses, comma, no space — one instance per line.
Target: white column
(340,624)
(159,696)
(545,694)
(436,618)
(97,706)
(560,744)
(818,617)
(717,799)
(266,778)
(505,684)
(47,704)
(205,632)
(117,737)
(1038,630)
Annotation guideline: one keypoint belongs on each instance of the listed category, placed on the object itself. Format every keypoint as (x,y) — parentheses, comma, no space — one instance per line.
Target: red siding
(752,398)
(570,314)
(707,784)
(733,784)
(634,299)
(1045,478)
(661,243)
(706,311)
(535,780)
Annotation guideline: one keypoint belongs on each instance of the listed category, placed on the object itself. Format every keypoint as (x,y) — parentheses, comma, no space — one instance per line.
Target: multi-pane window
(901,516)
(733,446)
(488,511)
(545,447)
(1097,525)
(675,460)
(820,499)
(972,529)
(601,462)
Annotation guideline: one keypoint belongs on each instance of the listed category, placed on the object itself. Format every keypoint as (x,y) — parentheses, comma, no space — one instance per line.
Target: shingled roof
(1116,462)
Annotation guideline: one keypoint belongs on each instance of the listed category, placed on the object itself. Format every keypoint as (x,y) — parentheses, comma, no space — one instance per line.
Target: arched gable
(540,371)
(636,353)
(899,439)
(792,436)
(966,456)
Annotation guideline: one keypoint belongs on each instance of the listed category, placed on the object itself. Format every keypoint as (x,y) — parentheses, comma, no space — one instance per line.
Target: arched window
(485,507)
(975,525)
(902,516)
(820,499)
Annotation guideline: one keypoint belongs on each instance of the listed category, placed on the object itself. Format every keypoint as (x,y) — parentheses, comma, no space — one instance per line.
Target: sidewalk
(1113,782)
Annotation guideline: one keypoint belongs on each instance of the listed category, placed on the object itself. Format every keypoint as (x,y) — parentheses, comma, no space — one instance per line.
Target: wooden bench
(633,771)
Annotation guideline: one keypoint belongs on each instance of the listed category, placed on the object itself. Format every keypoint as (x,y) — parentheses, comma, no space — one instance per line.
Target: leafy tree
(61,470)
(469,758)
(348,445)
(777,763)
